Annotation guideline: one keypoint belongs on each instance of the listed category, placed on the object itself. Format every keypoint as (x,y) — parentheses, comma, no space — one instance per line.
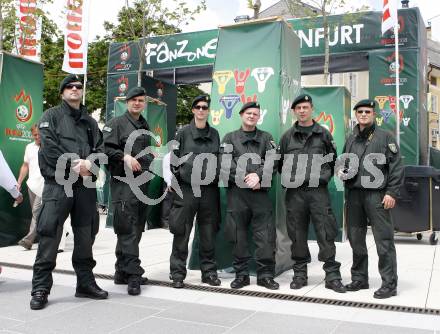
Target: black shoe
(134,286)
(298,283)
(336,285)
(211,279)
(356,286)
(240,281)
(38,300)
(92,291)
(268,283)
(385,292)
(120,278)
(177,284)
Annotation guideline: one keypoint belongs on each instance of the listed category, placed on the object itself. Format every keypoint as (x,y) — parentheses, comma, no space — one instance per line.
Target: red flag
(389,15)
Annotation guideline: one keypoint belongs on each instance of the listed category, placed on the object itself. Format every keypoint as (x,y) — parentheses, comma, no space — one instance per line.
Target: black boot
(211,279)
(38,300)
(268,283)
(385,292)
(298,282)
(92,291)
(357,285)
(336,285)
(134,285)
(240,281)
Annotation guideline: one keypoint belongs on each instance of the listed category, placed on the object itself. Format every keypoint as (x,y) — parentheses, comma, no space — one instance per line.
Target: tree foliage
(142,18)
(185,95)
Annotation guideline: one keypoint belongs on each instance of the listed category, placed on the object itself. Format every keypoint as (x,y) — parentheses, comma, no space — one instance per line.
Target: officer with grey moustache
(67,129)
(195,140)
(248,201)
(377,152)
(309,200)
(129,212)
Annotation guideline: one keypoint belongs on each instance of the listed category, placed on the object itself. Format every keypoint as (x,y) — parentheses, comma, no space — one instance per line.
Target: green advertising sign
(382,88)
(123,57)
(247,70)
(351,32)
(21,104)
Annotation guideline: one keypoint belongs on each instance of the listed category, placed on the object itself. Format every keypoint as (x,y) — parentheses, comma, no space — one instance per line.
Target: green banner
(123,57)
(247,70)
(383,67)
(332,109)
(21,105)
(117,86)
(351,32)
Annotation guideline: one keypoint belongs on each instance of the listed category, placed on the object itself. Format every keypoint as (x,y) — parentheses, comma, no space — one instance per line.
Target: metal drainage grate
(259,294)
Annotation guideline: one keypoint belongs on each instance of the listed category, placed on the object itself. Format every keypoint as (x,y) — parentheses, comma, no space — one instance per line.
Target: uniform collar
(316,128)
(73,112)
(244,138)
(141,123)
(196,134)
(365,133)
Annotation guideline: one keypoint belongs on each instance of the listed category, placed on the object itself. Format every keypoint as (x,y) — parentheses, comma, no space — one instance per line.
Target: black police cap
(135,92)
(365,103)
(248,105)
(201,98)
(69,79)
(301,98)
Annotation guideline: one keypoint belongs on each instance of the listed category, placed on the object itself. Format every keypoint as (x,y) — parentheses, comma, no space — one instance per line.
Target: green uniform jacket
(261,143)
(63,130)
(318,141)
(191,141)
(116,133)
(376,140)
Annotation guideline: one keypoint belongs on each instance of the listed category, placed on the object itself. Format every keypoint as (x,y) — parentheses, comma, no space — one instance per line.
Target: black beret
(135,92)
(203,98)
(249,105)
(69,79)
(301,98)
(365,103)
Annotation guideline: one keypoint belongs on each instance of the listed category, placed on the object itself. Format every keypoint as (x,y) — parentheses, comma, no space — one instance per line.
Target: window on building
(433,80)
(434,103)
(352,82)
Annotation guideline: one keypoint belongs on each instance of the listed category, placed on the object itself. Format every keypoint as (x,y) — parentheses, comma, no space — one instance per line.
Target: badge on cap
(107,129)
(306,98)
(392,147)
(44,125)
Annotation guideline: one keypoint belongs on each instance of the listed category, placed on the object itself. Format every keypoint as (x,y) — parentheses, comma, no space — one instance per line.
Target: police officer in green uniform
(248,202)
(309,199)
(122,144)
(67,129)
(371,203)
(195,140)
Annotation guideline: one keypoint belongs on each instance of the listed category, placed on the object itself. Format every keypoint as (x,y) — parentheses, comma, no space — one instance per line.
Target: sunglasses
(201,107)
(77,86)
(364,111)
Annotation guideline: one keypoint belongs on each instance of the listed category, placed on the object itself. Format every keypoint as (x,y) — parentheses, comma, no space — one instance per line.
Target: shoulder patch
(44,125)
(392,147)
(107,129)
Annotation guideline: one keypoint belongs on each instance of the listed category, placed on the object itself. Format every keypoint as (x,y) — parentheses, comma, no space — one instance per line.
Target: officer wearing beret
(372,202)
(195,139)
(67,129)
(309,200)
(129,212)
(248,199)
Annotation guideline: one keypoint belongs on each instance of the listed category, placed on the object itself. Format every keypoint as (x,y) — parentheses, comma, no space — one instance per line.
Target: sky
(221,12)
